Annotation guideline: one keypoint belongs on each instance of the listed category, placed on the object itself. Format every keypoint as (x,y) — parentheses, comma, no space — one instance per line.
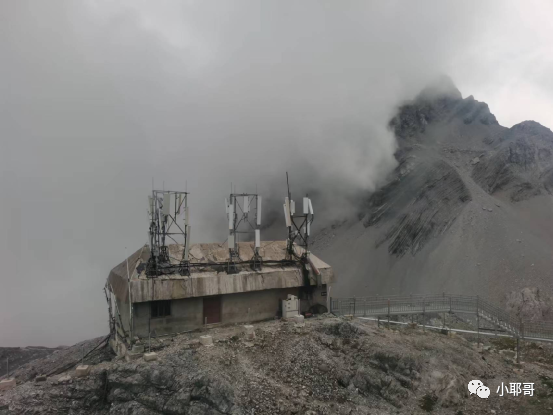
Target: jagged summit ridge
(441,102)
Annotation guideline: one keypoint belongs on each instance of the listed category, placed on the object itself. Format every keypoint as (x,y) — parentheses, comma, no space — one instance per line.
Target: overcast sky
(98,97)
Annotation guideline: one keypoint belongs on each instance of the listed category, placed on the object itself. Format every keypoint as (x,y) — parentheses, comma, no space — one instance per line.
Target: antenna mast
(165,208)
(239,208)
(299,225)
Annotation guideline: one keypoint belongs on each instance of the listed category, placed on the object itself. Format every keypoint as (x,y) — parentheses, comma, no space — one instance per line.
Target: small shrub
(428,402)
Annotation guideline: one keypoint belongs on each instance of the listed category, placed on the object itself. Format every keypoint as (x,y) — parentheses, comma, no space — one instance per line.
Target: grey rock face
(522,164)
(418,206)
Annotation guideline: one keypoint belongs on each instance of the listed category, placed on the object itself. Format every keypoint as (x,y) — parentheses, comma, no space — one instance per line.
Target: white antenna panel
(308,228)
(231,241)
(258,210)
(186,216)
(305,205)
(257,238)
(187,248)
(151,204)
(166,203)
(292,207)
(310,207)
(226,205)
(231,217)
(287,216)
(246,208)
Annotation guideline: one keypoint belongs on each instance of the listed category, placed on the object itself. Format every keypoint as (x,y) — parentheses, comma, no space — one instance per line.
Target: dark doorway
(212,310)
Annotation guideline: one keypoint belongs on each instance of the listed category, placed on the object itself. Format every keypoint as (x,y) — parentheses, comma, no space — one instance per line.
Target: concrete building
(167,304)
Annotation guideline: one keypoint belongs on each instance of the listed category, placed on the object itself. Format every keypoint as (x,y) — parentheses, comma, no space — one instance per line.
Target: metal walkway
(379,306)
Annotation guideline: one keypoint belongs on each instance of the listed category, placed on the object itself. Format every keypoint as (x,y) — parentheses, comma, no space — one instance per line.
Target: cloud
(98,97)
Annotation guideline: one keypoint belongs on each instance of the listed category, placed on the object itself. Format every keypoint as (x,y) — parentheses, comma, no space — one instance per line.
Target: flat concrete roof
(208,281)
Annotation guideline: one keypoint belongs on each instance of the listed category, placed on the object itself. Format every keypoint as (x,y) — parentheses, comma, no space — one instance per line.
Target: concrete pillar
(299,319)
(206,340)
(82,371)
(7,384)
(150,357)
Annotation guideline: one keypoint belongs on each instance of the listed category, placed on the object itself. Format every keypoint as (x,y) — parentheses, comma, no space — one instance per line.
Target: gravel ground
(329,366)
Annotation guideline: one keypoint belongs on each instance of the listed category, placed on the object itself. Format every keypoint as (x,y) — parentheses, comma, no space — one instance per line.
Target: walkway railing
(432,304)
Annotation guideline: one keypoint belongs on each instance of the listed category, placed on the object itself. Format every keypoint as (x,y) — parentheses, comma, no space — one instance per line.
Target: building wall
(318,298)
(187,314)
(123,312)
(262,305)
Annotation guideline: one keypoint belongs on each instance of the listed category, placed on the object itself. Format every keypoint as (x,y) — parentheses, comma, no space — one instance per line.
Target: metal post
(522,335)
(131,320)
(388,314)
(477,322)
(82,354)
(378,322)
(8,367)
(354,306)
(150,342)
(450,308)
(518,349)
(423,313)
(411,306)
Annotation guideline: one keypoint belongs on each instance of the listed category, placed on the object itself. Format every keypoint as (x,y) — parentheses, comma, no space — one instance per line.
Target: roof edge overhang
(154,289)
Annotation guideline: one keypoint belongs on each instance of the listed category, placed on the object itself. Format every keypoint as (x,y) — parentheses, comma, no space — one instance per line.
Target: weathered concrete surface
(82,371)
(186,314)
(206,340)
(250,332)
(150,357)
(7,384)
(210,282)
(253,306)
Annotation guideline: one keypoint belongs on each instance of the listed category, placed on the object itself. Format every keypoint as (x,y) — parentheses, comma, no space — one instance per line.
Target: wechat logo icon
(478,388)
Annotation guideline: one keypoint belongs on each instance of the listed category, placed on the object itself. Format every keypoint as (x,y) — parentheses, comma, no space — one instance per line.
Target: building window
(160,308)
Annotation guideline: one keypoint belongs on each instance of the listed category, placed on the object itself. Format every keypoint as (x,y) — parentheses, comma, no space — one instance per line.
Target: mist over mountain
(100,97)
(468,209)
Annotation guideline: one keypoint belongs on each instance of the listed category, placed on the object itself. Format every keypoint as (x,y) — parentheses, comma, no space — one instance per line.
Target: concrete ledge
(150,357)
(7,384)
(206,340)
(82,371)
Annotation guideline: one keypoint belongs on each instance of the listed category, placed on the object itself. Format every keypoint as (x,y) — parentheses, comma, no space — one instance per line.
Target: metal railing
(441,303)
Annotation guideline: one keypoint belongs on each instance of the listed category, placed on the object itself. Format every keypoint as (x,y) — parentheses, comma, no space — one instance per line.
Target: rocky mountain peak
(531,129)
(440,102)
